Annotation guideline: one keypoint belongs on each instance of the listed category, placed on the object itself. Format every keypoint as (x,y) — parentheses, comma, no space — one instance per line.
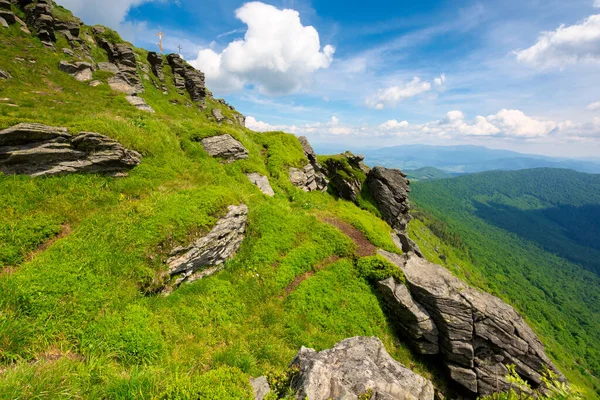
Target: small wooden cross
(179,48)
(160,45)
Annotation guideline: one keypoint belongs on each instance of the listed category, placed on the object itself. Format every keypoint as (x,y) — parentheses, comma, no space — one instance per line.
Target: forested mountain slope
(531,237)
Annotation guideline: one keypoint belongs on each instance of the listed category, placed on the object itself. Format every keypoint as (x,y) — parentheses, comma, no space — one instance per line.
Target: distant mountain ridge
(469,159)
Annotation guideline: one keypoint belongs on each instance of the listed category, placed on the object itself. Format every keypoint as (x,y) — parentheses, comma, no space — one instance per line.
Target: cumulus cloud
(597,4)
(565,46)
(278,54)
(594,106)
(391,96)
(505,124)
(331,127)
(107,12)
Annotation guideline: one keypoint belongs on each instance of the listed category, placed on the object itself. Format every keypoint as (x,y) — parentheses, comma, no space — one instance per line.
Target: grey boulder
(260,387)
(81,71)
(206,255)
(479,334)
(139,103)
(353,367)
(390,189)
(311,177)
(218,115)
(225,147)
(262,182)
(39,150)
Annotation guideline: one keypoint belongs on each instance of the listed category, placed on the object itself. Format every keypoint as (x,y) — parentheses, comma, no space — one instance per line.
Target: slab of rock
(225,147)
(262,182)
(192,79)
(390,189)
(409,317)
(307,179)
(342,176)
(156,64)
(122,57)
(139,103)
(108,67)
(351,368)
(478,333)
(218,115)
(4,75)
(81,71)
(206,255)
(260,387)
(8,17)
(3,23)
(40,150)
(311,177)
(72,27)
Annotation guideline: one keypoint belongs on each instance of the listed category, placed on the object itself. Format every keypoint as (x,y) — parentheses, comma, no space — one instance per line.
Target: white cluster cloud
(597,4)
(506,123)
(278,53)
(594,106)
(565,46)
(331,127)
(391,96)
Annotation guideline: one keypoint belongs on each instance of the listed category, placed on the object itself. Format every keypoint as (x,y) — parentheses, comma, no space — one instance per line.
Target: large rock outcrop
(346,173)
(82,71)
(311,177)
(390,188)
(225,147)
(156,64)
(206,255)
(353,367)
(40,150)
(478,334)
(122,57)
(192,79)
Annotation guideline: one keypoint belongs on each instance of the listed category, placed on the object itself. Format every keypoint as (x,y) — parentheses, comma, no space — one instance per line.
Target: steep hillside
(530,237)
(152,247)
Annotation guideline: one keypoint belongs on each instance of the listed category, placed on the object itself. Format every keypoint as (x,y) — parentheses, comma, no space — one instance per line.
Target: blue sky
(515,74)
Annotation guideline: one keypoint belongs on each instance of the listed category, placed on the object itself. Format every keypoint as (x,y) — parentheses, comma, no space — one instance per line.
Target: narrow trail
(65,230)
(364,249)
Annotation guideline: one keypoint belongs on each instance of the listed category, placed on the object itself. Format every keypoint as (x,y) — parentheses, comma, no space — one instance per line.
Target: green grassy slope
(492,228)
(77,253)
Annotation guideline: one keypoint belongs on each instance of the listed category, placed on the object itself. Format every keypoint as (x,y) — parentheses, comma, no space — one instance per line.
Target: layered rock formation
(139,103)
(478,334)
(187,76)
(156,64)
(346,175)
(206,255)
(39,150)
(262,182)
(390,188)
(311,177)
(412,319)
(225,147)
(352,368)
(81,71)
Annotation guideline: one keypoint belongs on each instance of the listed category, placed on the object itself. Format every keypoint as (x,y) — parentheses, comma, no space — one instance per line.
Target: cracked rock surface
(206,255)
(478,334)
(311,177)
(40,150)
(354,366)
(225,147)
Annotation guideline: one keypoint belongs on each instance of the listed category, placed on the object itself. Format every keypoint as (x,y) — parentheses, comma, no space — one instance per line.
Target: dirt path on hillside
(365,248)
